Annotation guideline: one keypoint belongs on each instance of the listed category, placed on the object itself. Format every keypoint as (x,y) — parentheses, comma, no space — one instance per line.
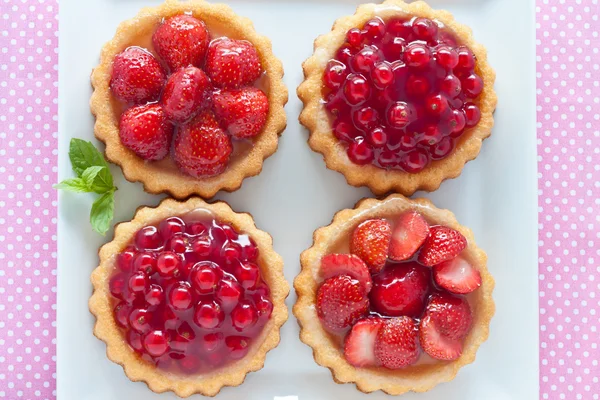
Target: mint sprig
(93,176)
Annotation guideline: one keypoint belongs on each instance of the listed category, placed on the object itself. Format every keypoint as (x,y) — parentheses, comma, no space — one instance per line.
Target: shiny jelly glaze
(401,93)
(188,294)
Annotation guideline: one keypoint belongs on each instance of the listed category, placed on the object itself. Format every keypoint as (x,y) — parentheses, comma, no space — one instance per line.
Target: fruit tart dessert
(397,97)
(188,98)
(189,297)
(394,295)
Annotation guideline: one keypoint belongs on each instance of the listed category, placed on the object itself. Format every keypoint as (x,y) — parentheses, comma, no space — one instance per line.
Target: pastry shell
(155,178)
(209,384)
(417,378)
(316,119)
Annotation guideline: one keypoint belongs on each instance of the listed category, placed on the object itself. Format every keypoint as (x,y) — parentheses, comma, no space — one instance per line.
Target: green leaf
(102,212)
(76,185)
(83,155)
(95,179)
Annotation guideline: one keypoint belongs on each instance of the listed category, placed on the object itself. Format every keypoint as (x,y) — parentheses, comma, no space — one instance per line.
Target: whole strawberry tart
(189,297)
(397,97)
(188,99)
(399,291)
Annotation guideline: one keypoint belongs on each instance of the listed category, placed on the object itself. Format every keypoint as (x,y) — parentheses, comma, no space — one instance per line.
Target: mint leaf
(102,212)
(76,185)
(94,177)
(84,155)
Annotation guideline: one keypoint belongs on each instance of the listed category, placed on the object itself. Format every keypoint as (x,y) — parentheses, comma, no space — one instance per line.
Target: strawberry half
(346,264)
(397,345)
(181,41)
(341,301)
(232,63)
(146,131)
(451,315)
(435,344)
(457,276)
(371,241)
(186,92)
(201,148)
(409,233)
(242,112)
(137,76)
(441,245)
(359,347)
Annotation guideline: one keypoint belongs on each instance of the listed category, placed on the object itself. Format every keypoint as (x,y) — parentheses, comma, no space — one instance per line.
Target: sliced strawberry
(201,148)
(451,315)
(359,347)
(401,290)
(437,345)
(409,233)
(346,264)
(397,345)
(371,241)
(242,112)
(137,76)
(186,92)
(232,63)
(442,244)
(457,276)
(146,131)
(341,301)
(181,41)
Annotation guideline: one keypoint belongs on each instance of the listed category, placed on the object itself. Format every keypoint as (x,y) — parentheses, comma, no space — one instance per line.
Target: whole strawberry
(146,131)
(181,41)
(242,112)
(397,345)
(202,148)
(371,241)
(341,301)
(451,315)
(186,92)
(441,245)
(137,76)
(232,63)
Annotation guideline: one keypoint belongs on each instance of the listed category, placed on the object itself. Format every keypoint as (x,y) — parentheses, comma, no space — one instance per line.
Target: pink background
(568,98)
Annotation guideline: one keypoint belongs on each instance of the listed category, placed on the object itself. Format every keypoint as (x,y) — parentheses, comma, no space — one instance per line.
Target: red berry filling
(401,93)
(188,294)
(205,101)
(399,293)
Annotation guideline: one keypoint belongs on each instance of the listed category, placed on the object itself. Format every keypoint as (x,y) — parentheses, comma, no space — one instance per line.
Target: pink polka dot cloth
(568,95)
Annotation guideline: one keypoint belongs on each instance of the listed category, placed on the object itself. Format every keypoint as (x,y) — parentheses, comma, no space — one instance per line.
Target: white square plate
(295,194)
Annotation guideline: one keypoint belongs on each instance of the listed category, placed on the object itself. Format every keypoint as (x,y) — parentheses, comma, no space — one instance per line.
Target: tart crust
(417,378)
(315,117)
(209,384)
(155,178)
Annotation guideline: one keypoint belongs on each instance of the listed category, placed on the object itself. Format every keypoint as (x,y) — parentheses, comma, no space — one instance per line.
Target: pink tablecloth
(569,240)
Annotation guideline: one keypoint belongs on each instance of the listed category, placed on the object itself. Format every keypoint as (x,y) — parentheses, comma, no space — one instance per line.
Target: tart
(394,295)
(397,97)
(188,99)
(189,297)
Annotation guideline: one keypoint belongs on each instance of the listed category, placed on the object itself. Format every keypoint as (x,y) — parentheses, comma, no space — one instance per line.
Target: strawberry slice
(371,241)
(410,232)
(137,76)
(396,345)
(146,131)
(435,344)
(451,315)
(232,63)
(441,245)
(181,41)
(346,264)
(341,301)
(359,347)
(186,92)
(242,112)
(457,276)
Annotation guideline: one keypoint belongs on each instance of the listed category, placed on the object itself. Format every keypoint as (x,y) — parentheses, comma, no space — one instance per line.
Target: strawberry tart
(188,99)
(394,295)
(398,97)
(189,297)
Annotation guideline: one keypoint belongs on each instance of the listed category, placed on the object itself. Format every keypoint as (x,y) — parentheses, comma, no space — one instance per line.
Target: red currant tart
(399,290)
(188,99)
(189,297)
(398,97)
